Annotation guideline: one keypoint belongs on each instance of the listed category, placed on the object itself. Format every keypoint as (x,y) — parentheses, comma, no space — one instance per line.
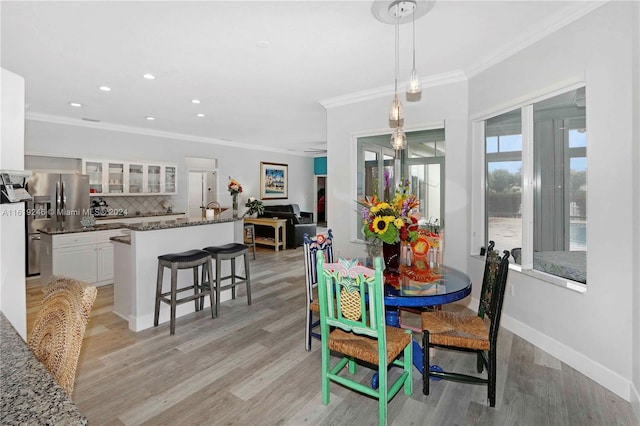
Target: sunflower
(381,224)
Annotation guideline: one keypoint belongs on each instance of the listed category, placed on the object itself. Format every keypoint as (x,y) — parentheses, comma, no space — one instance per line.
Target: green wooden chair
(352,303)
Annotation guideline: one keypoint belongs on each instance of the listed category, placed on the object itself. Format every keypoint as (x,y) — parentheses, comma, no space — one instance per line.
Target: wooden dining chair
(352,303)
(59,328)
(471,333)
(312,246)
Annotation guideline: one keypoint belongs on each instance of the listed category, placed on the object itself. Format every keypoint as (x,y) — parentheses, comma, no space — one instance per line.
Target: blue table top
(448,285)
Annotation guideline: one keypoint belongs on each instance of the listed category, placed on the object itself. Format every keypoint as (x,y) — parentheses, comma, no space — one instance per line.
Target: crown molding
(56,119)
(549,26)
(384,91)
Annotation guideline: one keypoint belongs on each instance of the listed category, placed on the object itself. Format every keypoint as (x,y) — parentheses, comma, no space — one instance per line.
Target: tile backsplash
(133,204)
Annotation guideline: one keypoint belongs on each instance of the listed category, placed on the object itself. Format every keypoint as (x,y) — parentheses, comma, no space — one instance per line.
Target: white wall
(635,88)
(12,244)
(593,332)
(240,163)
(446,104)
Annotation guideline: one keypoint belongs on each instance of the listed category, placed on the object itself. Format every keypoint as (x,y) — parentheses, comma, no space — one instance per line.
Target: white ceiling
(208,50)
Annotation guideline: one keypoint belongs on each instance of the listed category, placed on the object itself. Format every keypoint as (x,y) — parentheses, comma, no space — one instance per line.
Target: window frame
(479,175)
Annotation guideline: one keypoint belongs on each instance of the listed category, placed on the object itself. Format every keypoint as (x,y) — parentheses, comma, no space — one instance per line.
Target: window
(553,240)
(422,162)
(503,198)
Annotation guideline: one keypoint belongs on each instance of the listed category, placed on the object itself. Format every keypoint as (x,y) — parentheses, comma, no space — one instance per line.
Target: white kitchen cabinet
(86,256)
(104,256)
(78,262)
(110,177)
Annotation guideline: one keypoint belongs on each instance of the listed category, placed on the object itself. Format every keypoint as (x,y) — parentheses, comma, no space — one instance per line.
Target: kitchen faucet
(209,204)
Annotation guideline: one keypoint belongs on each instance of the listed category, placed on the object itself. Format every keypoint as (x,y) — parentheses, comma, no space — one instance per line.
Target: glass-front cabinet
(170,179)
(154,175)
(136,178)
(115,184)
(107,177)
(96,181)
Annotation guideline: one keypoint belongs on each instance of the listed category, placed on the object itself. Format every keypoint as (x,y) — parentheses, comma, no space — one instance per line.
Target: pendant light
(399,12)
(414,87)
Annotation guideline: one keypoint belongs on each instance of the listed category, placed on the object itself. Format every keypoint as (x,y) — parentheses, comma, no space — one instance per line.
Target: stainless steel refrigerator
(58,201)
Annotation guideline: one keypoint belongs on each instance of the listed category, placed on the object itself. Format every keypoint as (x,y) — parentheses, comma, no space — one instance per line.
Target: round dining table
(420,289)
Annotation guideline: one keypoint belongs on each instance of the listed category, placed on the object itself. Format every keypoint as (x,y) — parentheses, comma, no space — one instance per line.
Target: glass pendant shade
(396,114)
(414,87)
(398,139)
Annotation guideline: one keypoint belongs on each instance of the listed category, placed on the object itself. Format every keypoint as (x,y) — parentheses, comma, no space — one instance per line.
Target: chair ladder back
(493,287)
(313,245)
(351,297)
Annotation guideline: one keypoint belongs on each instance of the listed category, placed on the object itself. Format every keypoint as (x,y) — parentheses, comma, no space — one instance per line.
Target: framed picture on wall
(274,181)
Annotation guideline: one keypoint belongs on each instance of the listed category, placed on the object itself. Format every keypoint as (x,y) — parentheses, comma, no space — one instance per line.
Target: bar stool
(250,229)
(185,260)
(230,252)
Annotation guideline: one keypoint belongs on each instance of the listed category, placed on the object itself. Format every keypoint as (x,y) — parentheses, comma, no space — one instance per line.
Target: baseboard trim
(585,365)
(635,402)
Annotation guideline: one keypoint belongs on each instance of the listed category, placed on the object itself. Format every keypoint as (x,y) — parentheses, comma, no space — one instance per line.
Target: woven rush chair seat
(366,348)
(451,329)
(56,338)
(314,305)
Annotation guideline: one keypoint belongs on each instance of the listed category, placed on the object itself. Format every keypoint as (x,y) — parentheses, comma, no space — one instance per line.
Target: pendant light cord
(397,47)
(413,15)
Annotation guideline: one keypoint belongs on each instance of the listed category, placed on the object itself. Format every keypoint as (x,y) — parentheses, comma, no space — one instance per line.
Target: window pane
(503,202)
(560,193)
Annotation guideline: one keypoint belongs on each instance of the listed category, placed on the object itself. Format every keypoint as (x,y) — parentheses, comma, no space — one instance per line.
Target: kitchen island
(136,263)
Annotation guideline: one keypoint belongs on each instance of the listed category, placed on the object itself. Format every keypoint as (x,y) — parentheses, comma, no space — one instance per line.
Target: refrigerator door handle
(64,201)
(58,200)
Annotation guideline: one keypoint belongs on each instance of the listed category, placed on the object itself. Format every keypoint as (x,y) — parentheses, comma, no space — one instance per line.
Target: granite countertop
(142,226)
(29,393)
(73,229)
(133,216)
(178,223)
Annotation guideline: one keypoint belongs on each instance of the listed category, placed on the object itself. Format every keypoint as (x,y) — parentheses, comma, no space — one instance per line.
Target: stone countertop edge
(30,395)
(149,226)
(133,216)
(125,239)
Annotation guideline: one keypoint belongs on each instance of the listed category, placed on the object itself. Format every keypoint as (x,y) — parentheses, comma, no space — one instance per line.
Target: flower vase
(374,249)
(391,253)
(235,205)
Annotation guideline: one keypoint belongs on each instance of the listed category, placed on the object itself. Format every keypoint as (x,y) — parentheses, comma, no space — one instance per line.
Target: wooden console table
(277,225)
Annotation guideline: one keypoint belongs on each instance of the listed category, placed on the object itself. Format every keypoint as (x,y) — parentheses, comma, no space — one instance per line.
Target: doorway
(203,189)
(321,200)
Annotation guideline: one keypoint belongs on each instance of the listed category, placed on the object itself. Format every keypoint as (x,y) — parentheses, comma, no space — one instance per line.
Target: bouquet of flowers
(392,221)
(234,187)
(255,206)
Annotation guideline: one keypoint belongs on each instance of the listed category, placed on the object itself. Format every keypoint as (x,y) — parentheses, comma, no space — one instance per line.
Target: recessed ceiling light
(200,115)
(263,44)
(195,101)
(150,118)
(75,104)
(105,88)
(149,76)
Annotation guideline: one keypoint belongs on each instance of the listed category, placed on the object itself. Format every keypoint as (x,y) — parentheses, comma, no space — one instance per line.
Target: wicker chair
(312,245)
(471,333)
(59,327)
(352,302)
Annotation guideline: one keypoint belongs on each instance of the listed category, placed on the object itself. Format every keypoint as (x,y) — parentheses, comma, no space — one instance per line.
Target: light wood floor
(249,367)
